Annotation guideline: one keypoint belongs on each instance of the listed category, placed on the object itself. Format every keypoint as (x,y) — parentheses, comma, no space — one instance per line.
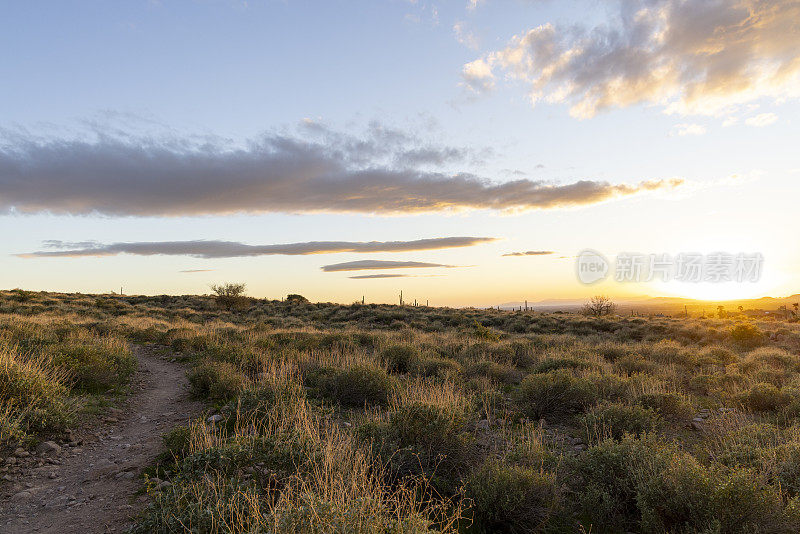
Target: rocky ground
(88,483)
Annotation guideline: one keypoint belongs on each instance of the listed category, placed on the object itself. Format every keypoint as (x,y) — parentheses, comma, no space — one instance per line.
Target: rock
(483,424)
(11,460)
(21,495)
(696,426)
(111,420)
(164,484)
(48,448)
(126,475)
(697,420)
(21,453)
(216,418)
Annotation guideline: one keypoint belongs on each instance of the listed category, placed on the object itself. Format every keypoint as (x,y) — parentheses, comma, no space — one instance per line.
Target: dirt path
(89,487)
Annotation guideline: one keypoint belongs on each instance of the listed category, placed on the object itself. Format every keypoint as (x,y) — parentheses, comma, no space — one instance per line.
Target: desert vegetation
(375,418)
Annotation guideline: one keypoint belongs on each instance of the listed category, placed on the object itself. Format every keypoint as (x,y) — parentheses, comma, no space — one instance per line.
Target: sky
(465,152)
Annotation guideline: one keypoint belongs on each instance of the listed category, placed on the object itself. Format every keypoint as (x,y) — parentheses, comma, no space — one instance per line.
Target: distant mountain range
(665,305)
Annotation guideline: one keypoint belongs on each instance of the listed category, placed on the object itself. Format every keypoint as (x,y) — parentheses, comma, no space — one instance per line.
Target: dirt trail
(90,487)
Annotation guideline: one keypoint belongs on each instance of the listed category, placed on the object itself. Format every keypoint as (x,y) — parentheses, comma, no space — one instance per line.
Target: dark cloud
(530,253)
(383,171)
(692,56)
(364,265)
(233,249)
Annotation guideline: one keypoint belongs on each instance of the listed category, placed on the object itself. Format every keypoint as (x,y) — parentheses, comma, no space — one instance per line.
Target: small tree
(230,296)
(294,297)
(599,305)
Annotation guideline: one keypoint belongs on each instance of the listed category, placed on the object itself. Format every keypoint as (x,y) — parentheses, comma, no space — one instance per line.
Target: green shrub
(440,367)
(95,367)
(177,441)
(551,364)
(504,374)
(508,498)
(616,420)
(747,335)
(400,358)
(359,386)
(556,393)
(423,439)
(764,398)
(670,406)
(216,380)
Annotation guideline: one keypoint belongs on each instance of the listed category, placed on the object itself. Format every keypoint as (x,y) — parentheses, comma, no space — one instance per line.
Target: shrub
(556,393)
(400,358)
(231,296)
(508,498)
(359,386)
(670,406)
(440,367)
(33,397)
(747,335)
(551,364)
(423,439)
(505,374)
(616,420)
(764,397)
(217,381)
(95,366)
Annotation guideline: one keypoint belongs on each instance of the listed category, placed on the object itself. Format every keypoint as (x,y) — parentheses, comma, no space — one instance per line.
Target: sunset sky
(341,149)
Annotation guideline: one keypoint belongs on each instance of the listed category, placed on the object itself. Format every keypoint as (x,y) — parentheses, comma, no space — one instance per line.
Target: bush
(556,393)
(360,386)
(400,358)
(508,498)
(217,381)
(764,398)
(504,374)
(422,439)
(95,366)
(440,367)
(231,296)
(747,335)
(616,420)
(670,406)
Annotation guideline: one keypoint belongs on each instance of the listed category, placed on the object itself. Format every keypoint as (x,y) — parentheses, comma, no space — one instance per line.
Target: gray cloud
(691,56)
(233,249)
(530,253)
(383,171)
(363,265)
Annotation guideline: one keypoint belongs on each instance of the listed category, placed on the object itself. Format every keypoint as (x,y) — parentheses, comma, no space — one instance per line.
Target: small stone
(696,426)
(21,495)
(483,424)
(48,448)
(126,475)
(697,420)
(21,453)
(216,418)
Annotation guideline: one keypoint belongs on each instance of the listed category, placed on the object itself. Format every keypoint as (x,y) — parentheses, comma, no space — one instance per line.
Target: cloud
(530,253)
(689,56)
(465,36)
(688,129)
(761,120)
(196,271)
(364,265)
(234,249)
(478,76)
(384,171)
(369,276)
